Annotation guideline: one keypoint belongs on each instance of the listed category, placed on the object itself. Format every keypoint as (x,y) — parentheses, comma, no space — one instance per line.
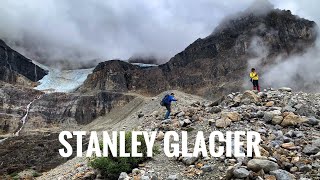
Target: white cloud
(79,30)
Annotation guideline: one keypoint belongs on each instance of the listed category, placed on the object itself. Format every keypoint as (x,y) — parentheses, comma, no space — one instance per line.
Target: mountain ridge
(206,65)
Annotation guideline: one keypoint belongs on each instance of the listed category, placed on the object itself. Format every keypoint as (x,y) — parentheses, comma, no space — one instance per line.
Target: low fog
(300,72)
(81,33)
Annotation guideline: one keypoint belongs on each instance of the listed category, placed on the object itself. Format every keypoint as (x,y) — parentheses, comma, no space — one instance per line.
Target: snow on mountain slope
(142,65)
(62,80)
(67,80)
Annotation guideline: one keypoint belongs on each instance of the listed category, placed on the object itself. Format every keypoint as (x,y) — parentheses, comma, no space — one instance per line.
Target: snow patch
(142,65)
(62,80)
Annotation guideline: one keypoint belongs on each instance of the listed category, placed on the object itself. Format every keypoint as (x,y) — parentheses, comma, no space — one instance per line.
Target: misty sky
(79,30)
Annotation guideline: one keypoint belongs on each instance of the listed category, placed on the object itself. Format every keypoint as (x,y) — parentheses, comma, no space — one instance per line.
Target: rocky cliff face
(52,109)
(206,65)
(76,108)
(120,76)
(14,66)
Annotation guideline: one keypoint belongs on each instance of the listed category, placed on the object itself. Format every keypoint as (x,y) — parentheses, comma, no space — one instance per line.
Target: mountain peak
(260,7)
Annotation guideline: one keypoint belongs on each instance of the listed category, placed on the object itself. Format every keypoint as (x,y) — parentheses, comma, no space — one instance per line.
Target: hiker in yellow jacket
(255,79)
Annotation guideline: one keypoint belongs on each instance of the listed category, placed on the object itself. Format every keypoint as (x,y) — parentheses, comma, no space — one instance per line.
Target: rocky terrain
(222,56)
(287,121)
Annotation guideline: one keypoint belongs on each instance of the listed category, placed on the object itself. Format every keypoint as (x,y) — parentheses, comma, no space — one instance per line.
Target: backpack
(164,100)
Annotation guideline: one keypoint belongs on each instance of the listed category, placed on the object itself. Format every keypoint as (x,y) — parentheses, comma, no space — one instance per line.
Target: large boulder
(223,122)
(241,173)
(291,120)
(282,175)
(233,116)
(250,95)
(258,164)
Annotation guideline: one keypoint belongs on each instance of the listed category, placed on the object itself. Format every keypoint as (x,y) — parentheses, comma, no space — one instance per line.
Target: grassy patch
(110,167)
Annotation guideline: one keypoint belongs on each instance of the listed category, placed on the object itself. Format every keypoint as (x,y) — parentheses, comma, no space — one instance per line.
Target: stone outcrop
(77,108)
(53,108)
(14,66)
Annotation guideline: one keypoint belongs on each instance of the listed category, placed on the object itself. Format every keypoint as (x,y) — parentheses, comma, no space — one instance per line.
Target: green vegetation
(14,176)
(111,167)
(36,174)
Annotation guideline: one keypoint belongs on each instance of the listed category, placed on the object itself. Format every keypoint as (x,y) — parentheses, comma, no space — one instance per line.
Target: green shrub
(36,174)
(111,167)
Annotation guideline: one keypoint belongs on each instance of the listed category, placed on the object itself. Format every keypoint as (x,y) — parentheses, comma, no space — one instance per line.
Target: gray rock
(285,89)
(316,165)
(289,133)
(216,109)
(187,121)
(268,116)
(316,156)
(305,168)
(316,142)
(313,121)
(262,131)
(241,173)
(144,178)
(310,149)
(298,134)
(152,175)
(288,109)
(287,139)
(123,176)
(174,177)
(282,174)
(180,114)
(305,111)
(260,114)
(189,160)
(166,121)
(298,106)
(276,143)
(258,164)
(230,96)
(206,168)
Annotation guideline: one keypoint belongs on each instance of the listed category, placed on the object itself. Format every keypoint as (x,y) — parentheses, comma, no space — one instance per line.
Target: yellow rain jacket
(254,76)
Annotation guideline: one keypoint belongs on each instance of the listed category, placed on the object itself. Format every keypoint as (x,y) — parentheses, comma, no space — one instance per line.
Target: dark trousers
(256,85)
(168,107)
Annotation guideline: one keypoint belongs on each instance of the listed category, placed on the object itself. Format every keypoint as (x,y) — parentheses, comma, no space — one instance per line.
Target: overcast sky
(85,29)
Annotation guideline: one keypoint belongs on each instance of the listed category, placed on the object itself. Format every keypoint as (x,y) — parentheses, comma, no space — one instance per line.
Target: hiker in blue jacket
(167,103)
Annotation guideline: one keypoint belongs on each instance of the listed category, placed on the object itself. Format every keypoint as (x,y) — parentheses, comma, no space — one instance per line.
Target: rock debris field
(288,123)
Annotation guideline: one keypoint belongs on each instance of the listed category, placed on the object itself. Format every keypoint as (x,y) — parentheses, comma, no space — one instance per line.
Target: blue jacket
(170,99)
